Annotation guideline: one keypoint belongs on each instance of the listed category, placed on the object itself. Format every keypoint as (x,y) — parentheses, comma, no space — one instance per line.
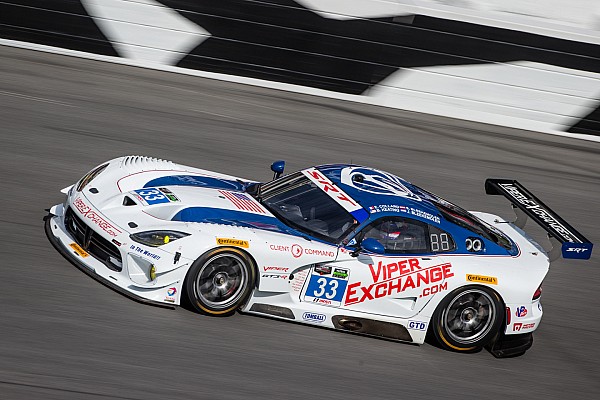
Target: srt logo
(577,249)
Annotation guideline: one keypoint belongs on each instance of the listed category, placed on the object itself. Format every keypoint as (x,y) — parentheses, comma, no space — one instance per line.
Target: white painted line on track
(212,113)
(34,98)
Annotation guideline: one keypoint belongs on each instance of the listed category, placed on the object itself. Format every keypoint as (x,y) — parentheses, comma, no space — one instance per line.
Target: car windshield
(299,203)
(465,219)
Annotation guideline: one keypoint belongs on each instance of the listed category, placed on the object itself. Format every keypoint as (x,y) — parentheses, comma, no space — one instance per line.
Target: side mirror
(277,167)
(370,245)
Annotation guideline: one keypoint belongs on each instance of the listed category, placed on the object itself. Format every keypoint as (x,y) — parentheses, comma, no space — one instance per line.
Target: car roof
(380,192)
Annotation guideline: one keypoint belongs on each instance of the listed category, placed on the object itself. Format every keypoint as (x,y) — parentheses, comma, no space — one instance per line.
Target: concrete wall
(532,65)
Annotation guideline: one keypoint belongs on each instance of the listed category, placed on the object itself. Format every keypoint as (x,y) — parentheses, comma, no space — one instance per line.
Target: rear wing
(572,243)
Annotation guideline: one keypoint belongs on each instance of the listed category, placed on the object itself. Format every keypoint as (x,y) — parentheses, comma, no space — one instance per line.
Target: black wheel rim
(221,281)
(469,316)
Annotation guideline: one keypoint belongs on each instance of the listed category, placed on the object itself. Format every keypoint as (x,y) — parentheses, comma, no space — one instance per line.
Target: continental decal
(81,252)
(233,242)
(491,280)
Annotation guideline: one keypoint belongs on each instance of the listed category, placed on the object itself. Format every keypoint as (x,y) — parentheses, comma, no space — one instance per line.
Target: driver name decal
(395,208)
(397,277)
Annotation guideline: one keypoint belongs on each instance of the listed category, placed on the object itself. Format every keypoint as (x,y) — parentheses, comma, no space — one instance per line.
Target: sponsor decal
(278,247)
(299,279)
(518,326)
(397,277)
(521,312)
(314,317)
(325,290)
(144,252)
(233,242)
(274,276)
(87,213)
(277,269)
(492,280)
(323,269)
(318,252)
(137,196)
(377,182)
(296,250)
(340,273)
(170,195)
(394,208)
(540,211)
(417,325)
(242,202)
(81,252)
(428,291)
(337,194)
(151,196)
(577,249)
(171,292)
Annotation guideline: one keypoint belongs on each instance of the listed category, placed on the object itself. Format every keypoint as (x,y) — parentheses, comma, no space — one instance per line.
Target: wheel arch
(454,293)
(216,250)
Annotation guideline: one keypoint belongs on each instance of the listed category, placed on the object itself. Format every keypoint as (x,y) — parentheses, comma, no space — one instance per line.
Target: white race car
(340,246)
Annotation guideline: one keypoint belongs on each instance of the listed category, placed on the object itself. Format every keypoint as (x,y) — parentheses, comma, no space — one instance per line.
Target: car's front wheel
(468,318)
(220,281)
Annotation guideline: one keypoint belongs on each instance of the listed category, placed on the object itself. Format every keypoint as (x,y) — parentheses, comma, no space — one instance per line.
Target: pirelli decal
(233,242)
(490,280)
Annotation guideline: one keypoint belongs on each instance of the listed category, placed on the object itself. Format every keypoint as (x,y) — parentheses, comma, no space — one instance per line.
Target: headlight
(87,178)
(157,238)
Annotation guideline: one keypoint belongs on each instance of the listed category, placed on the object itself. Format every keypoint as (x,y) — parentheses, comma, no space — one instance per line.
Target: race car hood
(140,192)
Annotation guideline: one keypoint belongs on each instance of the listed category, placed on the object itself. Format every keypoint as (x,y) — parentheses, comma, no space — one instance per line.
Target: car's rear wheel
(468,318)
(220,281)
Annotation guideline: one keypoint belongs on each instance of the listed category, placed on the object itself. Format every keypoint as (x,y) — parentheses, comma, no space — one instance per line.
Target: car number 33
(325,290)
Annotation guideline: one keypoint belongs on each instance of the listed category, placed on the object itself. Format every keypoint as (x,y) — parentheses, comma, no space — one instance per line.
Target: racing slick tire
(467,319)
(220,281)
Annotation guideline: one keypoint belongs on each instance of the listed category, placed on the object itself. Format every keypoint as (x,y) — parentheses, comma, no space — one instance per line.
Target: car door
(396,283)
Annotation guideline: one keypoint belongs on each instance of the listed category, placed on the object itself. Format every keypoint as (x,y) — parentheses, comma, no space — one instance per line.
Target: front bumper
(61,239)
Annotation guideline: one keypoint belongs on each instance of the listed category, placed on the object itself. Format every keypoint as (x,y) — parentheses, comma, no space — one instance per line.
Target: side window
(399,235)
(440,240)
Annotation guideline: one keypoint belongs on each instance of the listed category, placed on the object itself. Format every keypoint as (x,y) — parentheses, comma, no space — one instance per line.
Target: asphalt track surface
(65,336)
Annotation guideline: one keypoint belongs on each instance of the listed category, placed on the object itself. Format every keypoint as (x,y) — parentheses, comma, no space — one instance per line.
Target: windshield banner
(337,194)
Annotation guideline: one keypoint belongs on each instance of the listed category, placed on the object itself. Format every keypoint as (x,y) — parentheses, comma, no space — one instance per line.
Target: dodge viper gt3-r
(341,246)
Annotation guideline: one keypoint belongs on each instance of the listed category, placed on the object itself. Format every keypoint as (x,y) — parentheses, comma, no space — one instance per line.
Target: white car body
(402,290)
